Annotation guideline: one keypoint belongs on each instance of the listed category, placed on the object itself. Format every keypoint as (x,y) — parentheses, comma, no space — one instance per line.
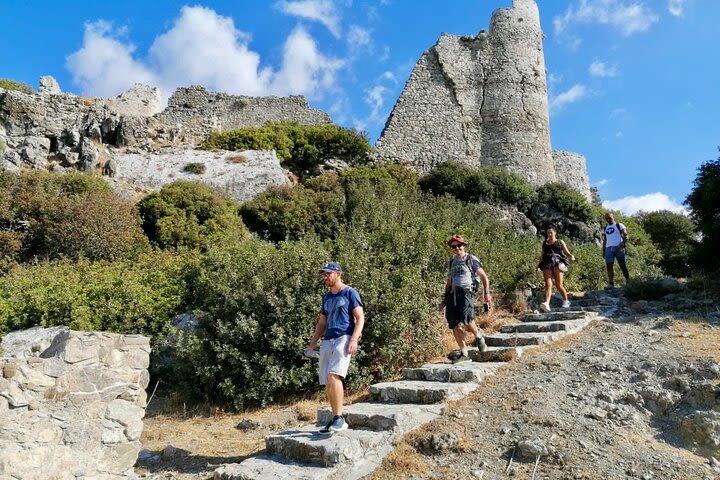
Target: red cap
(456,239)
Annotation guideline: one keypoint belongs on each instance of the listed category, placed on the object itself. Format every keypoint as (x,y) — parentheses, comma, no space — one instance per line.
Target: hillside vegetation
(74,254)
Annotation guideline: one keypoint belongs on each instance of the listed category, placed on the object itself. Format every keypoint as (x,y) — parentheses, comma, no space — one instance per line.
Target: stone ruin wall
(198,111)
(71,404)
(56,130)
(482,100)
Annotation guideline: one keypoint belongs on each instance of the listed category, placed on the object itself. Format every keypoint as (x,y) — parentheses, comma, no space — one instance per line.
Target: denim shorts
(613,253)
(334,358)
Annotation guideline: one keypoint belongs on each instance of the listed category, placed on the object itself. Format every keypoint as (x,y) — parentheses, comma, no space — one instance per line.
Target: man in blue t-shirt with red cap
(341,322)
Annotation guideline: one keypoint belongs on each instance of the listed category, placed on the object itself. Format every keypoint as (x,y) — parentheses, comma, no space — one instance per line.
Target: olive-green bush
(675,236)
(493,185)
(50,215)
(566,200)
(300,147)
(138,296)
(8,84)
(291,213)
(704,203)
(197,168)
(190,214)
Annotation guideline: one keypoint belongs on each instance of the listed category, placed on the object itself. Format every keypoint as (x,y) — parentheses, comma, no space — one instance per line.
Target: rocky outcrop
(71,403)
(482,100)
(243,175)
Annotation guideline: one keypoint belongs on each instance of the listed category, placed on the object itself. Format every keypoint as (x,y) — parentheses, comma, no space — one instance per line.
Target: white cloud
(601,69)
(104,66)
(647,203)
(629,17)
(201,48)
(618,134)
(322,11)
(358,37)
(675,7)
(576,93)
(601,183)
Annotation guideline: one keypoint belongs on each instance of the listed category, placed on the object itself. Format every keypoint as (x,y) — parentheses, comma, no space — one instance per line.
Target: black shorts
(459,307)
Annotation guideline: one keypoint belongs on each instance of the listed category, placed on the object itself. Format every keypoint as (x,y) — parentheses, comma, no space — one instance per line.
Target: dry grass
(698,337)
(87,102)
(236,158)
(404,460)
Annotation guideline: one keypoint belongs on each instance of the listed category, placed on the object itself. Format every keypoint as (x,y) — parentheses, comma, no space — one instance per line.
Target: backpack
(476,283)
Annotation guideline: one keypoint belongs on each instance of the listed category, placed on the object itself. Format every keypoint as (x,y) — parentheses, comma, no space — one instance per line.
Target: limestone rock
(49,86)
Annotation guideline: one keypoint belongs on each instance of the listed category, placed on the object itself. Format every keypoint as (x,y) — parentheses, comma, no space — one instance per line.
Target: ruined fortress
(482,100)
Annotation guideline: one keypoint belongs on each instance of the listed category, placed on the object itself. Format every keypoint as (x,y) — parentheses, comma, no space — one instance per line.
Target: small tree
(704,203)
(674,235)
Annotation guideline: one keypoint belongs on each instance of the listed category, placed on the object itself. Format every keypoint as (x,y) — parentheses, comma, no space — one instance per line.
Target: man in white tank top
(615,236)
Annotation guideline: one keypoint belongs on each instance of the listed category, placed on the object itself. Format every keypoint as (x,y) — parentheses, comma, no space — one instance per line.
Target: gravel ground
(635,396)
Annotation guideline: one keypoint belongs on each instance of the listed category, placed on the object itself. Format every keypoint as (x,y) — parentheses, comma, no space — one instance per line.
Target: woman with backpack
(554,262)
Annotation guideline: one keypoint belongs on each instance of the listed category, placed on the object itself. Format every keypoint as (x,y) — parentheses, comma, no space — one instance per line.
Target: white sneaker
(566,304)
(545,307)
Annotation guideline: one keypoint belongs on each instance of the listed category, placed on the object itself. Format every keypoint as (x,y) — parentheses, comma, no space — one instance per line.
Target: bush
(197,168)
(674,235)
(493,185)
(704,203)
(563,198)
(291,213)
(190,214)
(51,215)
(301,147)
(8,84)
(124,297)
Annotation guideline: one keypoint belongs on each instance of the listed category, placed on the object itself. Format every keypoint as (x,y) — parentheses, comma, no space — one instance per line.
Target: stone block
(273,467)
(496,354)
(124,412)
(517,339)
(449,372)
(381,417)
(411,391)
(307,445)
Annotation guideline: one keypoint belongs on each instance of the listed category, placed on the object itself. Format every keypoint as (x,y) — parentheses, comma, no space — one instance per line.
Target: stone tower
(482,100)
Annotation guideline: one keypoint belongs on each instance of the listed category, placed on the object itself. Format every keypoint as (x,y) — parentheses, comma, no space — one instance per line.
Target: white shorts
(334,358)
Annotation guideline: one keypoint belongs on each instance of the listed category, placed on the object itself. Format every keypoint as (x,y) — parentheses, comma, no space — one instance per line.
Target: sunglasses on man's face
(457,245)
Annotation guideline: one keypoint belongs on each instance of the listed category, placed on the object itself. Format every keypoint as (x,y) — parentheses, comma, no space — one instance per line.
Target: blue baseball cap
(332,267)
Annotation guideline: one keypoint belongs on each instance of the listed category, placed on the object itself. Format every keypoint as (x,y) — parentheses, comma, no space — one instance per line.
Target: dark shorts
(459,307)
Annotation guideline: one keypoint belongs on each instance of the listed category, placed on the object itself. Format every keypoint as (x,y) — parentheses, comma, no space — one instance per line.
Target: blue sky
(633,84)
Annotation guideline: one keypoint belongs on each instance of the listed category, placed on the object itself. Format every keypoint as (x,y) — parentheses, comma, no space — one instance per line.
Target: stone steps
(396,408)
(308,445)
(385,417)
(559,315)
(418,391)
(518,339)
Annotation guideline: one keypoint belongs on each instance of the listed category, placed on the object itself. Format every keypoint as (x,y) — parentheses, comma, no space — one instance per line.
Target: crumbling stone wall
(480,100)
(570,168)
(71,404)
(199,111)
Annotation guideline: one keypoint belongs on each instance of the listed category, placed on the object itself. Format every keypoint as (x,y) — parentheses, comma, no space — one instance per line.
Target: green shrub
(493,185)
(674,235)
(51,215)
(291,213)
(124,297)
(190,214)
(197,168)
(566,200)
(704,203)
(8,84)
(301,147)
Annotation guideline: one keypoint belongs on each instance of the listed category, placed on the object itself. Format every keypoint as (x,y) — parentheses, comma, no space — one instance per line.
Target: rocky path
(396,408)
(632,395)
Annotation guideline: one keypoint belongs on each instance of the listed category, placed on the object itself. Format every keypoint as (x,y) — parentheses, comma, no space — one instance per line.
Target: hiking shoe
(338,424)
(326,429)
(566,304)
(464,357)
(480,343)
(454,355)
(545,307)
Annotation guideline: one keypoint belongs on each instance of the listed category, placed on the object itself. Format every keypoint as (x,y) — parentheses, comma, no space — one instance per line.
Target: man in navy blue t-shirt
(340,324)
